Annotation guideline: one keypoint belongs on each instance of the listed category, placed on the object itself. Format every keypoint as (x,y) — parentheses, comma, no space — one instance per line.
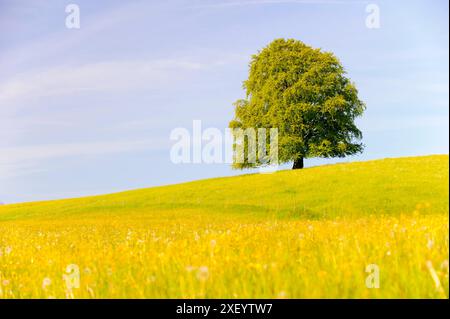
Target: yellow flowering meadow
(313,233)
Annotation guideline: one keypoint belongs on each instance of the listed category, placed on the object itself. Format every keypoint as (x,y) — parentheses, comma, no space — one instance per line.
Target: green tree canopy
(304,93)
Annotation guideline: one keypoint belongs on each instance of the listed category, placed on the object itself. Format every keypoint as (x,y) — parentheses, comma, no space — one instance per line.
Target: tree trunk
(298,163)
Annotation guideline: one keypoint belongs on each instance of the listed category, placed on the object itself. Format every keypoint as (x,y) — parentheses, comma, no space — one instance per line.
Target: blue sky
(90,110)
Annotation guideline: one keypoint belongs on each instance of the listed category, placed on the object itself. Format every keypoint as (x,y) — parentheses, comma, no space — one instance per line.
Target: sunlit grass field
(293,234)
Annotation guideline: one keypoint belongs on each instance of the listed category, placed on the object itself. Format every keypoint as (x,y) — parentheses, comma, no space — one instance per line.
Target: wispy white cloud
(20,160)
(58,43)
(115,75)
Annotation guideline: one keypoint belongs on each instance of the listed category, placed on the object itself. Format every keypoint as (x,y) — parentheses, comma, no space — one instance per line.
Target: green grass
(381,187)
(304,233)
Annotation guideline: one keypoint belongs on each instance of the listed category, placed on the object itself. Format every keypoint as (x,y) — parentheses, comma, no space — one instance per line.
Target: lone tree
(304,93)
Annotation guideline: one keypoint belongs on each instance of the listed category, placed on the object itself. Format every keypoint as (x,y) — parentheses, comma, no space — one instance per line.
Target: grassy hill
(294,234)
